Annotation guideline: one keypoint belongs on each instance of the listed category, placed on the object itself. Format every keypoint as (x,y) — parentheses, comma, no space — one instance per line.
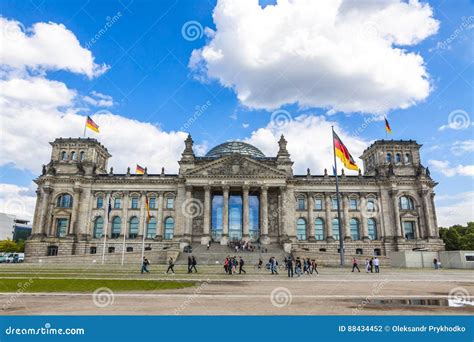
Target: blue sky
(149,79)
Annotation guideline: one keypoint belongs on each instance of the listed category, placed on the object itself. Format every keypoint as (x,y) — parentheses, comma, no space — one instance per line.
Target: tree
(8,246)
(458,237)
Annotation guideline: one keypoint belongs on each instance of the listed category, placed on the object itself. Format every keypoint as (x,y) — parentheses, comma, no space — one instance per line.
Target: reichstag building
(234,192)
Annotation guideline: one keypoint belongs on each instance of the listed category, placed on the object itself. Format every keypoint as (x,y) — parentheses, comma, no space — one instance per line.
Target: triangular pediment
(235,166)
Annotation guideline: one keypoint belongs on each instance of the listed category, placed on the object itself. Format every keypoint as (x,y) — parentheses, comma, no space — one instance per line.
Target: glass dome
(235,147)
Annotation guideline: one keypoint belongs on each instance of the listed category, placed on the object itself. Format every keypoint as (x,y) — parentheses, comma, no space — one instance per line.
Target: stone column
(143,216)
(396,213)
(76,201)
(207,215)
(310,225)
(125,223)
(35,226)
(282,206)
(225,216)
(188,222)
(428,215)
(264,215)
(43,219)
(345,218)
(245,212)
(421,226)
(328,218)
(159,217)
(364,214)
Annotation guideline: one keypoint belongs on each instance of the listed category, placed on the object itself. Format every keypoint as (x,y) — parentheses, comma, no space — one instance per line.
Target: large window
(133,227)
(301,203)
(389,157)
(406,203)
(81,156)
(318,204)
(407,158)
(301,229)
(134,203)
(216,217)
(98,227)
(398,158)
(63,155)
(169,228)
(64,201)
(169,202)
(335,229)
(116,227)
(152,202)
(355,231)
(235,217)
(61,227)
(117,202)
(334,203)
(151,228)
(100,202)
(254,218)
(409,229)
(353,204)
(372,228)
(73,155)
(319,229)
(370,205)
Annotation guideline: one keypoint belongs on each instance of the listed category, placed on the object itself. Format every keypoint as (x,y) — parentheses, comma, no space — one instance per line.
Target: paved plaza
(334,291)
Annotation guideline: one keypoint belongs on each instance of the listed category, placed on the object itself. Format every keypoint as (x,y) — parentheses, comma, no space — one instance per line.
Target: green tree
(8,246)
(458,237)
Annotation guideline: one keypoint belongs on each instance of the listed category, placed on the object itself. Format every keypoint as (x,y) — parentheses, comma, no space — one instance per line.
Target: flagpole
(106,227)
(341,241)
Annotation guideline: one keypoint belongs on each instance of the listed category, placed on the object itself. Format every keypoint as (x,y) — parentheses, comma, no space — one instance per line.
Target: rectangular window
(318,204)
(301,203)
(353,204)
(134,204)
(117,203)
(409,228)
(100,202)
(111,249)
(61,227)
(93,250)
(170,203)
(334,204)
(152,202)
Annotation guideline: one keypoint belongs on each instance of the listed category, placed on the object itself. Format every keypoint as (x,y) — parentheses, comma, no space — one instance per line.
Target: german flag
(343,153)
(387,127)
(140,170)
(147,205)
(92,125)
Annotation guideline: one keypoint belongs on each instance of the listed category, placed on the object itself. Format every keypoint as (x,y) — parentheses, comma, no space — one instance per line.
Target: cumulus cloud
(17,200)
(97,99)
(446,169)
(45,46)
(309,142)
(455,209)
(464,146)
(341,55)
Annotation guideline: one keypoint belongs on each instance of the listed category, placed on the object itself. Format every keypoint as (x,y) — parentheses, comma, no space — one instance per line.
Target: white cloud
(309,143)
(456,209)
(97,99)
(446,169)
(45,46)
(245,125)
(461,147)
(316,53)
(17,200)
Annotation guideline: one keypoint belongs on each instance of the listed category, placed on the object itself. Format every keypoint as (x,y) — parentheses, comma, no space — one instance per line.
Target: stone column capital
(264,188)
(207,188)
(188,187)
(246,188)
(225,188)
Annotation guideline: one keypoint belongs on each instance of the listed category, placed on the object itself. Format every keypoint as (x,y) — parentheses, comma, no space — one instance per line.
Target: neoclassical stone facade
(234,192)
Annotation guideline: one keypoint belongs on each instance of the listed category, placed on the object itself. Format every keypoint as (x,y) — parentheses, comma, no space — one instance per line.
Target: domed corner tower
(392,158)
(84,156)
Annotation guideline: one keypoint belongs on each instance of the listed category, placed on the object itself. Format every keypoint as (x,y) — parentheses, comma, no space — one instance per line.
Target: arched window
(372,228)
(398,158)
(81,156)
(64,201)
(151,228)
(335,229)
(355,232)
(98,227)
(133,227)
(319,229)
(169,228)
(73,155)
(406,203)
(407,158)
(63,155)
(389,157)
(116,227)
(301,229)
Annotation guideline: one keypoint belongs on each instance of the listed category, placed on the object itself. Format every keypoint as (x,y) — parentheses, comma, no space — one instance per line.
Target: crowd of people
(371,264)
(241,245)
(232,263)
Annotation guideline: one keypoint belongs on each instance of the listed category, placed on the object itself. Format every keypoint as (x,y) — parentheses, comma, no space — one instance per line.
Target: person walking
(355,265)
(193,265)
(366,265)
(170,265)
(314,267)
(371,265)
(376,265)
(190,263)
(435,263)
(298,266)
(289,266)
(145,264)
(241,266)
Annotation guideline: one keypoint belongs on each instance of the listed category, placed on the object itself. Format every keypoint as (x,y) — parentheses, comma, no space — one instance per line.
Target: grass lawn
(87,285)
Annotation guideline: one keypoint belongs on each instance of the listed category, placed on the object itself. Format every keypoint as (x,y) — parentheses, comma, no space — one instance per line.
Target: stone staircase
(217,254)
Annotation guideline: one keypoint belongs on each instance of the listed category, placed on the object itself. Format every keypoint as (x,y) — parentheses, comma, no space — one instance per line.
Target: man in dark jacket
(241,266)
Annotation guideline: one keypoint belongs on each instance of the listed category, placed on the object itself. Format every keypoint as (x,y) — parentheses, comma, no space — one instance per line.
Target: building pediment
(236,165)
